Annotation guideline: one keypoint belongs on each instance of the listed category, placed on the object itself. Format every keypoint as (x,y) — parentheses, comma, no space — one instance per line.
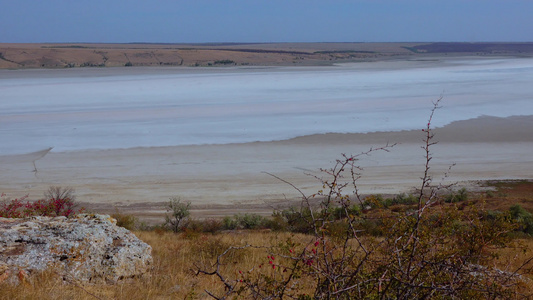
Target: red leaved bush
(50,207)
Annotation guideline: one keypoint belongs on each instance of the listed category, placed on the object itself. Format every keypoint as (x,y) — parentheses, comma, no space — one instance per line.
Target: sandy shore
(224,179)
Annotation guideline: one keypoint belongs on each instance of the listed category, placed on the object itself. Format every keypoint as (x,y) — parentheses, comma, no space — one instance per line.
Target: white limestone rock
(85,248)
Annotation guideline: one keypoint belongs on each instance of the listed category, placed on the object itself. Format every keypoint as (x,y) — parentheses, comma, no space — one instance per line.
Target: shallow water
(76,109)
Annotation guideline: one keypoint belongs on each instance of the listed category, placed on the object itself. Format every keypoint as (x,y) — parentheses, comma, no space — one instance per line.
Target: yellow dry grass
(176,257)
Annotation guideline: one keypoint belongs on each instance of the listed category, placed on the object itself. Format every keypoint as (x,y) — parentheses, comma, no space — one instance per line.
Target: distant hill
(232,54)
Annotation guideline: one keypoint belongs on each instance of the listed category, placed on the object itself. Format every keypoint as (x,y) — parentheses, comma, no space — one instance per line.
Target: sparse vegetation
(175,255)
(224,62)
(459,196)
(244,221)
(91,64)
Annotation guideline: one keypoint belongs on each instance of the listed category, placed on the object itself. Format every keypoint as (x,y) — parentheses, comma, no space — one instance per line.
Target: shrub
(377,201)
(522,217)
(13,208)
(301,220)
(124,220)
(337,229)
(250,221)
(340,213)
(405,199)
(374,201)
(495,214)
(277,222)
(459,196)
(61,199)
(58,201)
(297,220)
(244,221)
(224,62)
(229,223)
(178,212)
(192,226)
(212,225)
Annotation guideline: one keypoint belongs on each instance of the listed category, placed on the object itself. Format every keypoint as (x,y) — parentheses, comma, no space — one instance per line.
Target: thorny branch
(417,256)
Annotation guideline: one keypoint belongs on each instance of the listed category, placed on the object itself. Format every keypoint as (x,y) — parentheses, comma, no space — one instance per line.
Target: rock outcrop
(86,248)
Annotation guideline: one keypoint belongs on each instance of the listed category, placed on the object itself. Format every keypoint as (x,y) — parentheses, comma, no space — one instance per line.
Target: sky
(220,21)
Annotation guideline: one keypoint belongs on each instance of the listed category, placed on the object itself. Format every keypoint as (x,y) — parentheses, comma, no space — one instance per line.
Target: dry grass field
(177,257)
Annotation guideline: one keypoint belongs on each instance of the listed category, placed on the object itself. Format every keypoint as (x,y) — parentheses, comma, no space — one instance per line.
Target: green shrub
(177,213)
(495,214)
(459,196)
(405,199)
(377,201)
(250,221)
(277,222)
(523,218)
(339,212)
(229,223)
(224,62)
(244,221)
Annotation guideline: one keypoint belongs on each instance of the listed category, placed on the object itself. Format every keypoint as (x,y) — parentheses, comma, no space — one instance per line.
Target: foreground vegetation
(177,256)
(497,222)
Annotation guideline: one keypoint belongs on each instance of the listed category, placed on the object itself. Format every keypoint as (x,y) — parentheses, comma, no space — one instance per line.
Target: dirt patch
(505,193)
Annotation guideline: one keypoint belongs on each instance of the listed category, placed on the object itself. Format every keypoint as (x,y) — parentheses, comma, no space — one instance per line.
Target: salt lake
(112,108)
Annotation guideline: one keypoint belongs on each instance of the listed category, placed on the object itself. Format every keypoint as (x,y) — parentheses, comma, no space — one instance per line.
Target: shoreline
(481,129)
(228,178)
(154,213)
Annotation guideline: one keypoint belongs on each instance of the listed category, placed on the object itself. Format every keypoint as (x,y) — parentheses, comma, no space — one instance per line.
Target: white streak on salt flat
(79,109)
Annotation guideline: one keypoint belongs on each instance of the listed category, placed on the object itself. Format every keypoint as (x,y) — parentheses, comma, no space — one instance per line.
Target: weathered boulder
(85,248)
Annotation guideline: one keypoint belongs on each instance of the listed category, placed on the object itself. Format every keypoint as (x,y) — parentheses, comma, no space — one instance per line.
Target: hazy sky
(196,21)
